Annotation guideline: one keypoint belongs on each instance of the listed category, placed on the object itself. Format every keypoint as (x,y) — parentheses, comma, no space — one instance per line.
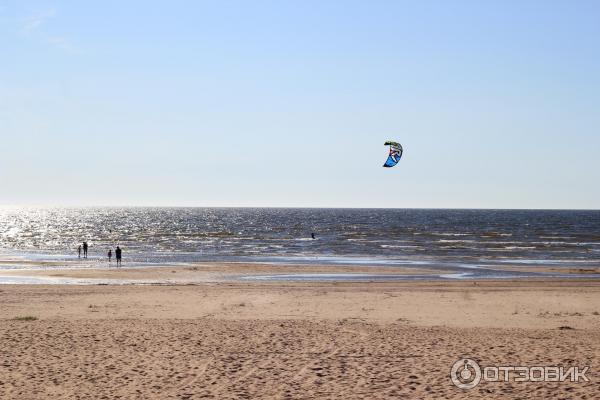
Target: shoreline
(199,273)
(59,272)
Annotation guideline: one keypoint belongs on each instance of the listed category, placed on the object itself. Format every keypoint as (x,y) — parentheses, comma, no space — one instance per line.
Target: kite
(395,154)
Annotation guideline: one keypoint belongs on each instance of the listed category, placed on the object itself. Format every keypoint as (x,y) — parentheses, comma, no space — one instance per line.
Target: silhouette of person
(118,256)
(79,252)
(85,249)
(109,255)
(313,235)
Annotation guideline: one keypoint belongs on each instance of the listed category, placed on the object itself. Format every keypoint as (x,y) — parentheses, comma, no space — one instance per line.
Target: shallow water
(479,275)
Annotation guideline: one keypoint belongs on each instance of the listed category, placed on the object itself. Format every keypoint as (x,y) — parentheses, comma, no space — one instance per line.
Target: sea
(470,242)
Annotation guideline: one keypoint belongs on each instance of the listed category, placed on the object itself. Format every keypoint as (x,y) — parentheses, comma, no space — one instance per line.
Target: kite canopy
(395,154)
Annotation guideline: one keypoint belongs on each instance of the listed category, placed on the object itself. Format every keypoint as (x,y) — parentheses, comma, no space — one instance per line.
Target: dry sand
(292,340)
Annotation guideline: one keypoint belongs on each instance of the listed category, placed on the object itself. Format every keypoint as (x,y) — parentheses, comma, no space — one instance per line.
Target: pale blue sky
(288,103)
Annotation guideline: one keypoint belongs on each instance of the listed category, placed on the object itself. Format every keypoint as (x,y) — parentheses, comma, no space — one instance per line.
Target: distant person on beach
(312,235)
(109,255)
(79,251)
(85,249)
(118,256)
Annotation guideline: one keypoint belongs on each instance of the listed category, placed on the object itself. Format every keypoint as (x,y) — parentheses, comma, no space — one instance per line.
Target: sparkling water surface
(459,239)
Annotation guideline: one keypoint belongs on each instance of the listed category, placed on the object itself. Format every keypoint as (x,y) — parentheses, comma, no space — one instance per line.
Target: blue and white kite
(395,154)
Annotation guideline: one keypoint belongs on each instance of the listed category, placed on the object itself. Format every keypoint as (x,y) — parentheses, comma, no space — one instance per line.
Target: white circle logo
(465,373)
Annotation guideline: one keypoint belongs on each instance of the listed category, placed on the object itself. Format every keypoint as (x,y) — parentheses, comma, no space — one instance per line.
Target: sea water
(449,239)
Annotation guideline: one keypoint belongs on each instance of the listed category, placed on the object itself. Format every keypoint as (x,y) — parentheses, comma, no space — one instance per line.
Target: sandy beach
(298,200)
(296,340)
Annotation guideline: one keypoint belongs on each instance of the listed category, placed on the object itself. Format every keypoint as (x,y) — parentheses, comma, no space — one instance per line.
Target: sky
(289,103)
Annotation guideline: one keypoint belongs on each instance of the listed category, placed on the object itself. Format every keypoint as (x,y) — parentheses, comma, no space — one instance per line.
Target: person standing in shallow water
(118,256)
(79,252)
(85,249)
(109,255)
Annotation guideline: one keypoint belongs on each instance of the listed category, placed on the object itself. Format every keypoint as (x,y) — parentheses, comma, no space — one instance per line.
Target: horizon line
(298,207)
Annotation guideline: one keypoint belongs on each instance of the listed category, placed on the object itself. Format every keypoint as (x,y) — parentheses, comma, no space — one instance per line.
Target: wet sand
(197,272)
(100,271)
(294,340)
